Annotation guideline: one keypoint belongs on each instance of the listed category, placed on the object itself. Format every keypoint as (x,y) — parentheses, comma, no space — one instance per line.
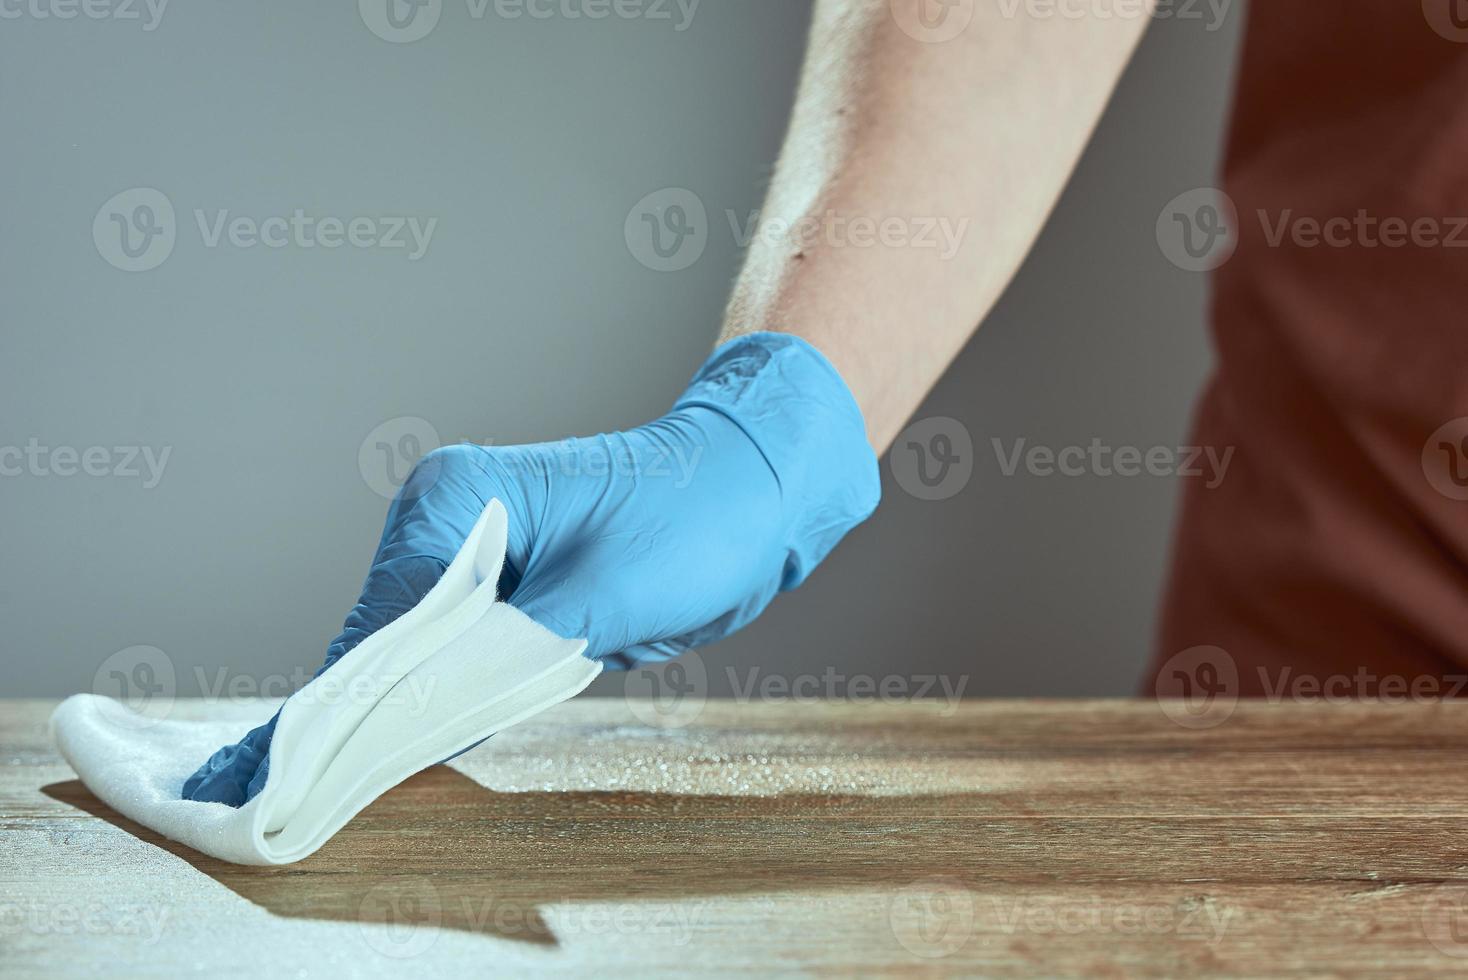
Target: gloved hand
(645,542)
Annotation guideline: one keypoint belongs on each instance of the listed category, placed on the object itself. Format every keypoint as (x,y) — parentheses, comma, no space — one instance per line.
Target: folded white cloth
(453,670)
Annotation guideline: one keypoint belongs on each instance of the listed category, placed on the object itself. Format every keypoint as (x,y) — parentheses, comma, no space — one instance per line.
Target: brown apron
(1335,549)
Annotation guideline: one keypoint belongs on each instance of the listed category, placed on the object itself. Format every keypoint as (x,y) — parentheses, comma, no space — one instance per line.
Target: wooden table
(1058,838)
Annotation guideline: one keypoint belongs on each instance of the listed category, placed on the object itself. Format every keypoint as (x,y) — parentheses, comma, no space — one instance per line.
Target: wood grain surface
(1075,838)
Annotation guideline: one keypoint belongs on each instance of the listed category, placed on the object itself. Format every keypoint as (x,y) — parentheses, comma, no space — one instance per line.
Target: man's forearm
(914,178)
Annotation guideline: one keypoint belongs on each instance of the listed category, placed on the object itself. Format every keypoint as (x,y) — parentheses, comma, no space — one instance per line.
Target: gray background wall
(528,318)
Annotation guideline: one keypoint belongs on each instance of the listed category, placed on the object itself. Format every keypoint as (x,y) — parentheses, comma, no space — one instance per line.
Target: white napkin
(453,670)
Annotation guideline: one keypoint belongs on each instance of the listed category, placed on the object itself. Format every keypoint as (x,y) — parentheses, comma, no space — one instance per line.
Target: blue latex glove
(645,542)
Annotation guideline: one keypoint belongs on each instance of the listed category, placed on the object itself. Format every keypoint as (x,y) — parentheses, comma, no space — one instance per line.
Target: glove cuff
(794,406)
